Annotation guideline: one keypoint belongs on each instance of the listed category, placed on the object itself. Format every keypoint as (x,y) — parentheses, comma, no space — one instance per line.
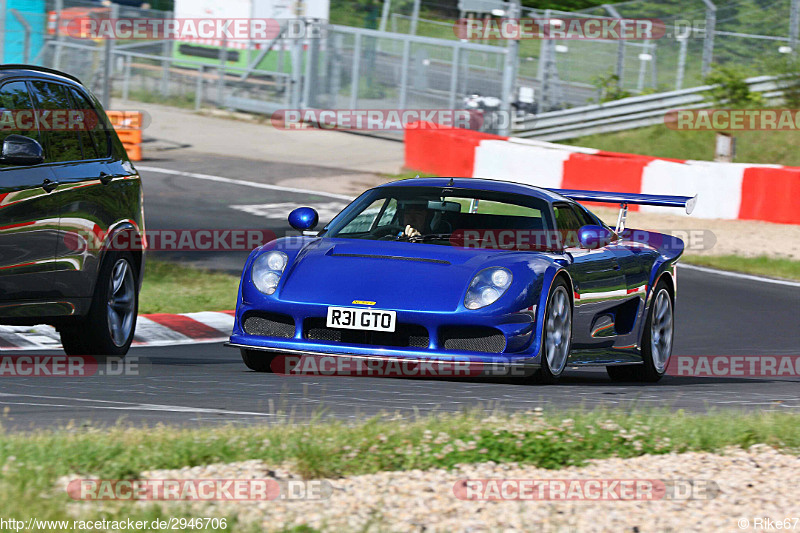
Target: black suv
(67,193)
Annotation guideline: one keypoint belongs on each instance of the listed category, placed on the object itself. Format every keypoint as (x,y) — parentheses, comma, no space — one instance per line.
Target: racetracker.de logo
(605,28)
(69,366)
(197,489)
(169,240)
(45,119)
(310,365)
(383,119)
(584,489)
(209,30)
(742,366)
(544,240)
(733,119)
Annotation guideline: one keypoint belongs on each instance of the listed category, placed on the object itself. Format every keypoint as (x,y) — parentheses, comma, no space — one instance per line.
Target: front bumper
(411,366)
(521,339)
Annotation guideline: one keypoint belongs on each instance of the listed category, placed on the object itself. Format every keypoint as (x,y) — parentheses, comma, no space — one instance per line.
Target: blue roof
(481,184)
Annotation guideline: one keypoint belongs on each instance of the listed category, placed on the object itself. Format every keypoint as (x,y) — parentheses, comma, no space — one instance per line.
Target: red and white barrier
(161,329)
(726,190)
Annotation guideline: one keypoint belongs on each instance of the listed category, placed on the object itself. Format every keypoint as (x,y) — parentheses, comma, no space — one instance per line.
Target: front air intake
(472,339)
(268,325)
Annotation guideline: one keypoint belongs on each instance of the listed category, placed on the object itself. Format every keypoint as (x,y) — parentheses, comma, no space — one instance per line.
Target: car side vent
(269,325)
(472,339)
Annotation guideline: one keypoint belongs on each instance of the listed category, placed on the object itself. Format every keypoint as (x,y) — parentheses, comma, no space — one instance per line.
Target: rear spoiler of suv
(625,198)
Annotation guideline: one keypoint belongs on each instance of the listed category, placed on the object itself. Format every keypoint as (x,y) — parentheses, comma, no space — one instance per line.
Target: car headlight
(487,287)
(267,271)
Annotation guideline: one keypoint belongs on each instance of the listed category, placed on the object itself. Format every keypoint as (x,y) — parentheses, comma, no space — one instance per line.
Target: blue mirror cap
(303,218)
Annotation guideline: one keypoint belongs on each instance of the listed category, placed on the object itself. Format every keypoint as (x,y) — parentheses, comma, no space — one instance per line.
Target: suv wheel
(109,326)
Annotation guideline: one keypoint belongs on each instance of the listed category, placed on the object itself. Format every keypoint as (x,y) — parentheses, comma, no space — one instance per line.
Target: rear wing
(625,198)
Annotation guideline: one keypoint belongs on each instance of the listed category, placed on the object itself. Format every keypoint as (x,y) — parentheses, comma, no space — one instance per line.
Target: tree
(729,88)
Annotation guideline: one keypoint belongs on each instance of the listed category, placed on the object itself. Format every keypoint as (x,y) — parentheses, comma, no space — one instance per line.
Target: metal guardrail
(627,113)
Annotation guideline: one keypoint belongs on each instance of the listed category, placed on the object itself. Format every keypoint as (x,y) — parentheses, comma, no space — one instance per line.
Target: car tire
(109,326)
(659,331)
(557,334)
(257,360)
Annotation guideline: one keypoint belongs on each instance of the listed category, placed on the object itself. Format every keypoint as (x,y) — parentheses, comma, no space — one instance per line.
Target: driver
(415,217)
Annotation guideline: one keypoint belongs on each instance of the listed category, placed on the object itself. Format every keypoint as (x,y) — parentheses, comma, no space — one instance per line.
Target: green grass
(409,174)
(777,147)
(172,288)
(761,266)
(30,464)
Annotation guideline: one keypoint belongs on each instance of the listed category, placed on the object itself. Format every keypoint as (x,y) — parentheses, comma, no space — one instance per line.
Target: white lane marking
(244,183)
(326,211)
(739,275)
(124,406)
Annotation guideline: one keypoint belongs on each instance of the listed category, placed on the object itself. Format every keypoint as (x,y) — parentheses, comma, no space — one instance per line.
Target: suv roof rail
(36,68)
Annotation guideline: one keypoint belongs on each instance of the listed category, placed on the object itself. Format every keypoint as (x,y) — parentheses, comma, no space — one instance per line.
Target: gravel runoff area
(747,238)
(733,486)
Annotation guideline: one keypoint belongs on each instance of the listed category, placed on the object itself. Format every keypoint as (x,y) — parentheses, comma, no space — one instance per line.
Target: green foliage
(730,89)
(787,67)
(609,88)
(774,147)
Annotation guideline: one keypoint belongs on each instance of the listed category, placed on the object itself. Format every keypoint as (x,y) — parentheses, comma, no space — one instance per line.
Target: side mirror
(592,237)
(303,218)
(21,150)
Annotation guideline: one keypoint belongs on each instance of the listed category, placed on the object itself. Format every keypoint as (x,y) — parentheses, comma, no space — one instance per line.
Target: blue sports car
(496,274)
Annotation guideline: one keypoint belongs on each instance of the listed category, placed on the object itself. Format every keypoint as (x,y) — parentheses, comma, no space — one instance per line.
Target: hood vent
(397,257)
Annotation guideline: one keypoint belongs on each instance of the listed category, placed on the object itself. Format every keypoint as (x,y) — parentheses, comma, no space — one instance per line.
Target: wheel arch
(553,273)
(135,237)
(563,274)
(669,279)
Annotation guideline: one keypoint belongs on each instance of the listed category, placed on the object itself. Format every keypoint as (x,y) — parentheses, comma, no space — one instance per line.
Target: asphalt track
(208,384)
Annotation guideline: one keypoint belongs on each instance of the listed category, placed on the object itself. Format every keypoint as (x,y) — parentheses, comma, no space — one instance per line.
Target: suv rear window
(14,97)
(98,133)
(61,144)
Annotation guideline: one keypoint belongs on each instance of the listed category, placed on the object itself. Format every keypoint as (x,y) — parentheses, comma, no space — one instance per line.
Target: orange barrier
(128,125)
(445,151)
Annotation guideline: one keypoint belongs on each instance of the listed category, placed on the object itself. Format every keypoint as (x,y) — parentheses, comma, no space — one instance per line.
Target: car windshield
(445,216)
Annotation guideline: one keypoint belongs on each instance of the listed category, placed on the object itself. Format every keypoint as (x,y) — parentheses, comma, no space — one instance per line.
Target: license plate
(364,319)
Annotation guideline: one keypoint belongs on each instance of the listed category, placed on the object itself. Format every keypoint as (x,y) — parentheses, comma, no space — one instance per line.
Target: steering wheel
(384,232)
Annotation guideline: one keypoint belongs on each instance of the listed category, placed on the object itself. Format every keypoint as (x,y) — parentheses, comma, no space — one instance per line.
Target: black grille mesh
(472,339)
(405,335)
(269,325)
